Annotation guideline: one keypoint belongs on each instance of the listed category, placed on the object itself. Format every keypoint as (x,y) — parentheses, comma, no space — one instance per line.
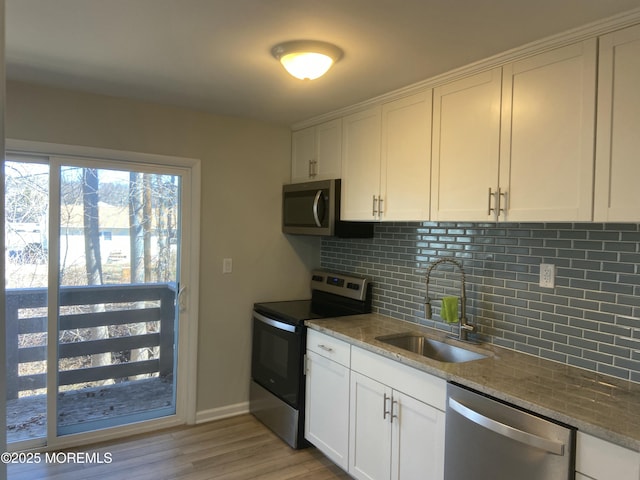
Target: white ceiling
(214,55)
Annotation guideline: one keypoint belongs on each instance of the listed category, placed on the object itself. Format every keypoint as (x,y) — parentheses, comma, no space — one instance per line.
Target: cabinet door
(405,158)
(417,441)
(316,152)
(601,460)
(547,141)
(328,150)
(360,164)
(327,408)
(370,429)
(465,151)
(303,153)
(617,196)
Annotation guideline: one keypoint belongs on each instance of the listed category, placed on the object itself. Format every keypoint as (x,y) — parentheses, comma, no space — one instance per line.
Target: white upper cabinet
(316,152)
(520,147)
(386,161)
(617,196)
(361,164)
(547,139)
(303,154)
(405,170)
(465,150)
(515,143)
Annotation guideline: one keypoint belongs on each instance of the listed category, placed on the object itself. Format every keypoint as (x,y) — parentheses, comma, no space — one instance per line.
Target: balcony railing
(84,308)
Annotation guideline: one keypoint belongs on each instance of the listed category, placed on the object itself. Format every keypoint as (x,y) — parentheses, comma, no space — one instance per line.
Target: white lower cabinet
(327,397)
(392,434)
(417,438)
(370,427)
(598,459)
(381,420)
(373,417)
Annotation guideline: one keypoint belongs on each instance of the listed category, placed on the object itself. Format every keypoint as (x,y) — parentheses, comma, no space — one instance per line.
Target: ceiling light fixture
(307,59)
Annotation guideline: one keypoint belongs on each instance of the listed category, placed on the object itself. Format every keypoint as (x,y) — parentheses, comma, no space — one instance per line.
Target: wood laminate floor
(238,448)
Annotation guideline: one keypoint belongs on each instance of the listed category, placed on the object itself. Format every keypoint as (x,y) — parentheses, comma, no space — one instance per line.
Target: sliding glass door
(93,275)
(26,284)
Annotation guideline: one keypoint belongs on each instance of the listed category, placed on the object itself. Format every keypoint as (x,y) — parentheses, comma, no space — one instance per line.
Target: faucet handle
(469,327)
(465,329)
(428,311)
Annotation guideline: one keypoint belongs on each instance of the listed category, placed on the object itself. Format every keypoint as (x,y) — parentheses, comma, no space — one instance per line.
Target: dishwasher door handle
(551,446)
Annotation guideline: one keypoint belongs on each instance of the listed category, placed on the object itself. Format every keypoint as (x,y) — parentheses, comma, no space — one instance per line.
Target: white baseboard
(222,412)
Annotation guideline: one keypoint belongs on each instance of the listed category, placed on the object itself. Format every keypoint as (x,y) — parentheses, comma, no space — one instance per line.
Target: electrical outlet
(547,275)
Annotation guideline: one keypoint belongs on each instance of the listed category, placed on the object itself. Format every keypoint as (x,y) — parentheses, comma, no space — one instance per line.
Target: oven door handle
(274,323)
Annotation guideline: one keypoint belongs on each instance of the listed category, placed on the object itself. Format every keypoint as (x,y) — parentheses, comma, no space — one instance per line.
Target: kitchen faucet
(465,327)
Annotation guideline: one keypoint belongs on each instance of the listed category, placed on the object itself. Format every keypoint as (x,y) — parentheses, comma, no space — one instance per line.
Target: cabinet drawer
(329,347)
(602,460)
(419,385)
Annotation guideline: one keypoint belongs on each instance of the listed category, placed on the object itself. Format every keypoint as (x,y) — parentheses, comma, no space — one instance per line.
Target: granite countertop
(602,406)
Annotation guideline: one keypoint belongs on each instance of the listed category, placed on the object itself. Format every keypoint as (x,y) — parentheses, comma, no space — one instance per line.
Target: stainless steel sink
(430,348)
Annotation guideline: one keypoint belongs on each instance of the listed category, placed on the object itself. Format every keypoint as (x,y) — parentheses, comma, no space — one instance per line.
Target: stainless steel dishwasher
(487,439)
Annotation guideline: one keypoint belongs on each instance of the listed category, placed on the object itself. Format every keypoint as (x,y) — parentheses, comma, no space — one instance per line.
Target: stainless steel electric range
(279,344)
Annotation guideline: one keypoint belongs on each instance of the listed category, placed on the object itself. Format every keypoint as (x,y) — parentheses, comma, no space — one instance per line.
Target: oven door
(276,359)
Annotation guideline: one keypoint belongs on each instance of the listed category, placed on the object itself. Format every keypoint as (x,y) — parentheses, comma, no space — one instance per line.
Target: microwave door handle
(316,201)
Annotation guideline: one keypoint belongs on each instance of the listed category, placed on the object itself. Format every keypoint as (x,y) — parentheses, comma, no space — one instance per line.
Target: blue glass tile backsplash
(590,319)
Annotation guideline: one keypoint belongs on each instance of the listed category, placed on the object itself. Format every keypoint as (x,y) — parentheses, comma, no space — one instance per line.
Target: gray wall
(591,319)
(244,164)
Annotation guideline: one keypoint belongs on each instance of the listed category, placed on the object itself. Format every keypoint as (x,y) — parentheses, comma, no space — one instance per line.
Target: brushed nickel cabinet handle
(393,410)
(502,205)
(385,412)
(496,196)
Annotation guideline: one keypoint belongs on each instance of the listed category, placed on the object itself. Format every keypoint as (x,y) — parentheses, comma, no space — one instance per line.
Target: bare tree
(138,259)
(147,215)
(91,198)
(93,260)
(136,222)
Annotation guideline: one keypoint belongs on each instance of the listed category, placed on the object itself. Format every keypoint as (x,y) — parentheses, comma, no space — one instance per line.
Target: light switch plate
(227,265)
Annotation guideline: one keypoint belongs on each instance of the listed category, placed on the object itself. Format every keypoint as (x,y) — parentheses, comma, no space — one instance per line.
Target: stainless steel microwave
(313,208)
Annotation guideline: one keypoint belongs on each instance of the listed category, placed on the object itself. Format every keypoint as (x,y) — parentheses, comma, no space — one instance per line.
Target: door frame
(186,384)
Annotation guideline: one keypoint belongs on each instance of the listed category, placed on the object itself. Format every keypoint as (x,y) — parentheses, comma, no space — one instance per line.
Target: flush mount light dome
(306,58)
